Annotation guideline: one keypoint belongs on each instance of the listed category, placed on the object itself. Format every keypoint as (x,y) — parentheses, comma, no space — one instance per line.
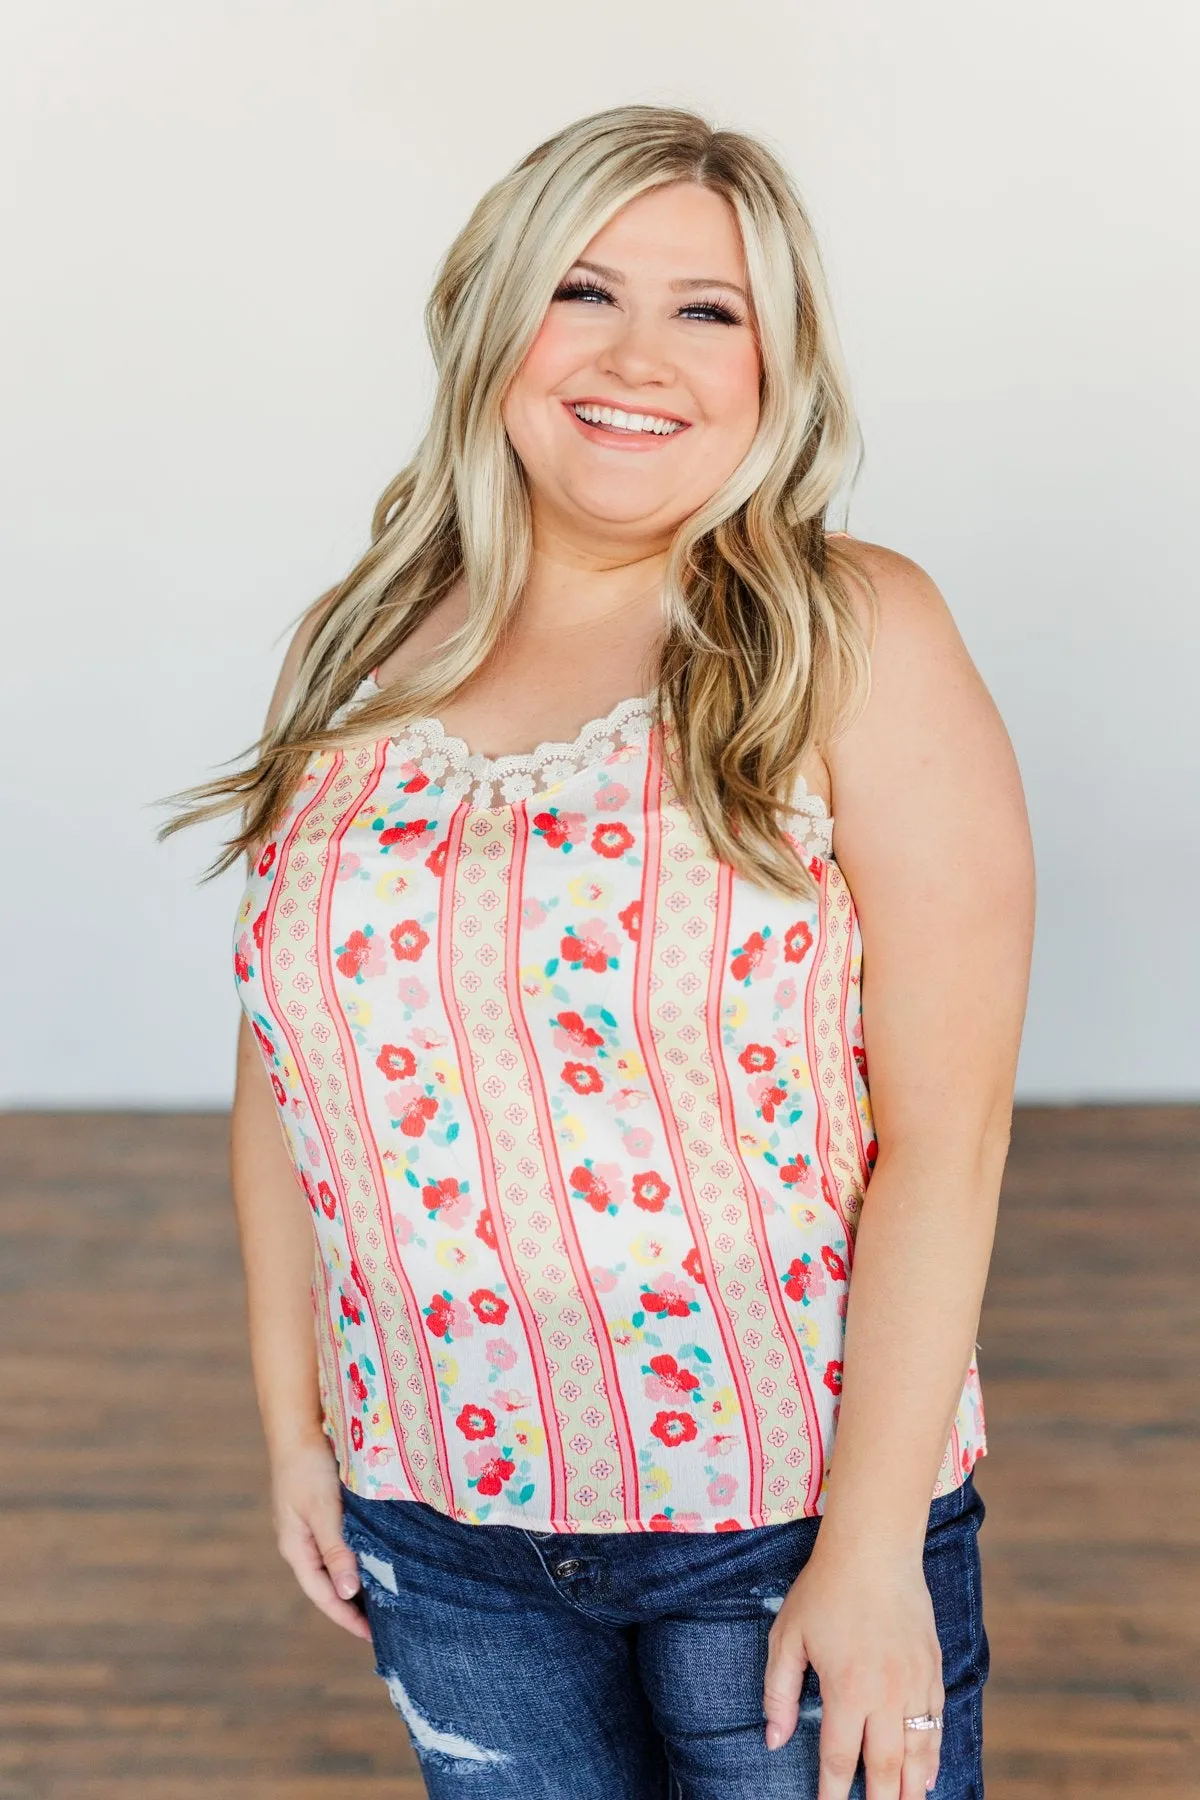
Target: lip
(638,442)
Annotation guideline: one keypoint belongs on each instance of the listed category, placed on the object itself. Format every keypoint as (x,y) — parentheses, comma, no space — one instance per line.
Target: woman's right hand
(307,1505)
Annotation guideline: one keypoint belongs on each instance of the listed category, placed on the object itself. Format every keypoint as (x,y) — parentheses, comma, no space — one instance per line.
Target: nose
(636,352)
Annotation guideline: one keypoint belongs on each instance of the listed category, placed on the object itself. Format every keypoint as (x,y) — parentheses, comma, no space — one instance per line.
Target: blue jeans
(552,1667)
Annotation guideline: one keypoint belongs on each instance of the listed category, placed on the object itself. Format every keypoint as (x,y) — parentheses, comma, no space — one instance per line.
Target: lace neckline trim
(493,783)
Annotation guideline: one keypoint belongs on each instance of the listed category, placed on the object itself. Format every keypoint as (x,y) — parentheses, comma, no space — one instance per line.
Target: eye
(714,310)
(575,288)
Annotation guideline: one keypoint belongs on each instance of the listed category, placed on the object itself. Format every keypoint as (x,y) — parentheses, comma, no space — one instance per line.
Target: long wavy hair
(762,654)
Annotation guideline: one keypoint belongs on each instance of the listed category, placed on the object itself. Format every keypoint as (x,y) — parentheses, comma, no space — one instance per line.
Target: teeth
(616,420)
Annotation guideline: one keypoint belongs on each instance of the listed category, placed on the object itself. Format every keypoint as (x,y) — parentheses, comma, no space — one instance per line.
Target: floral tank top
(583,1122)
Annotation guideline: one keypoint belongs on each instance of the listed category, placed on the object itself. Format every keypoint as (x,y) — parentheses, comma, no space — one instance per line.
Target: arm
(934,842)
(277,1255)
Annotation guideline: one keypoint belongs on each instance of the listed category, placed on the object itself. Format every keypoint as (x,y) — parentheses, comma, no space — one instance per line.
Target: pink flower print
(560,830)
(637,1141)
(756,1059)
(408,840)
(490,1472)
(348,864)
(721,1489)
(243,961)
(501,1355)
(412,1108)
(803,1280)
(583,1078)
(650,1191)
(533,912)
(413,994)
(755,959)
(597,1186)
(800,1175)
(631,920)
(797,942)
(512,1399)
(476,1422)
(403,1229)
(611,796)
(669,1297)
(666,1380)
(843,1304)
(767,1096)
(425,1039)
(603,1280)
(351,1309)
(361,955)
(447,1200)
(571,1033)
(408,940)
(592,946)
(721,1443)
(785,994)
(448,1318)
(612,839)
(397,1062)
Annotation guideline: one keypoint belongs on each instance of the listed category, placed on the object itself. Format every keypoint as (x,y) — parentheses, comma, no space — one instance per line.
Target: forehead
(681,230)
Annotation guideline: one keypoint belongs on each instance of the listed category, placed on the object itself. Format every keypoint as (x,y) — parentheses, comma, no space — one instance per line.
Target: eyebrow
(683,285)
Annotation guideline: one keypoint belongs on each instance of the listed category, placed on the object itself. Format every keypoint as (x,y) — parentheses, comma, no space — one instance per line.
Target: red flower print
(241,967)
(583,1078)
(673,1428)
(591,950)
(769,1100)
(727,1525)
(581,1037)
(264,1042)
(406,837)
(415,1112)
(476,1422)
(494,1474)
(355,953)
(351,1309)
(631,920)
(661,1522)
(797,942)
(833,1377)
(437,1194)
(792,1172)
(553,828)
(833,1263)
(872,1153)
(612,839)
(667,1370)
(408,940)
(435,862)
(757,952)
(694,1266)
(356,1433)
(756,1059)
(396,1061)
(325,1195)
(650,1191)
(259,927)
(280,1090)
(356,1276)
(490,1309)
(590,1187)
(266,859)
(669,1303)
(310,1192)
(438,1315)
(797,1280)
(485,1230)
(856,1050)
(358,1386)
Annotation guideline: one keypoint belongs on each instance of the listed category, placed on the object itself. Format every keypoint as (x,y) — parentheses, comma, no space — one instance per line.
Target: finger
(842,1729)
(299,1550)
(922,1755)
(786,1663)
(884,1754)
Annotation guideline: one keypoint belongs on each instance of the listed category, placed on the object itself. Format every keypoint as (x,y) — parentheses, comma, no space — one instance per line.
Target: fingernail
(774,1737)
(346,1586)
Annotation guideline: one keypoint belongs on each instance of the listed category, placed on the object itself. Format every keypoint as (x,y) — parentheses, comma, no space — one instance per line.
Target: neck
(573,585)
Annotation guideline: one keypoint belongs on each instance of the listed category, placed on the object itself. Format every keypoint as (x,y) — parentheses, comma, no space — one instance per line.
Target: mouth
(624,424)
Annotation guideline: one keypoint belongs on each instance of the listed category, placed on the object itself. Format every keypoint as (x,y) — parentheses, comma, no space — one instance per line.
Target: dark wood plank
(153,1644)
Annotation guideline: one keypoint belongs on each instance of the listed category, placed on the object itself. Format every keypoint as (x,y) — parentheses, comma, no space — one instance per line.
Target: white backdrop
(219,226)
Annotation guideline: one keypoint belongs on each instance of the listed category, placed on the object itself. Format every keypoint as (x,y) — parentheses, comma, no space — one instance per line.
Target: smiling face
(640,393)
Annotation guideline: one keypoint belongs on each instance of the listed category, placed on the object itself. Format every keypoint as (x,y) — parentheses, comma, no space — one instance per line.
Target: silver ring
(925,1722)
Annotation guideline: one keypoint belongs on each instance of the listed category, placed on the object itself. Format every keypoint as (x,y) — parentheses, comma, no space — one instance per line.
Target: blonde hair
(762,655)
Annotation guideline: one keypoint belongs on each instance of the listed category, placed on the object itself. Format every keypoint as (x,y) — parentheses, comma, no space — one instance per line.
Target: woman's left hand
(865,1623)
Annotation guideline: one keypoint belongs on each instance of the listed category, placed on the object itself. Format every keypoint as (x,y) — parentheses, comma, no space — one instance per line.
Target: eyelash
(718,311)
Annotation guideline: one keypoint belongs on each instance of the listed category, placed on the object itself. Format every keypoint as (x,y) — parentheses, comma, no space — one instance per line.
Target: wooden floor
(153,1646)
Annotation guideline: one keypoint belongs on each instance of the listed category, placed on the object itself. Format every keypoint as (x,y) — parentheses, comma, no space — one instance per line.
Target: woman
(567,1026)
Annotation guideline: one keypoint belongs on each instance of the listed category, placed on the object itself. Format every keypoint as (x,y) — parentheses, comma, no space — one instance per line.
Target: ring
(925,1722)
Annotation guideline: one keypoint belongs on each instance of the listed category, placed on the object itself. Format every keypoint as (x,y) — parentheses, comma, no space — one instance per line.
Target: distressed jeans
(626,1666)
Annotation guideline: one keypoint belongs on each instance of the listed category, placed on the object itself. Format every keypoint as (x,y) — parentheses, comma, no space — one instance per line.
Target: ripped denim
(626,1666)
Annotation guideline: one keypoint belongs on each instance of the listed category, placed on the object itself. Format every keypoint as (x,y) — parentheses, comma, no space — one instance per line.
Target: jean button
(565,1570)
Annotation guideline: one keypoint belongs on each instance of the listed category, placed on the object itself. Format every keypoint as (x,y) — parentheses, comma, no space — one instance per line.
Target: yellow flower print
(380,1422)
(648,1248)
(359,1012)
(535,983)
(455,1253)
(803,1215)
(629,1064)
(393,884)
(733,1012)
(446,1074)
(529,1436)
(750,1144)
(807,1332)
(723,1406)
(395,1163)
(569,1131)
(247,909)
(590,891)
(445,1367)
(625,1334)
(656,1483)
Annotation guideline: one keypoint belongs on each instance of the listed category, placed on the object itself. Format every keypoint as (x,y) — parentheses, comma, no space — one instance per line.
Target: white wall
(219,224)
